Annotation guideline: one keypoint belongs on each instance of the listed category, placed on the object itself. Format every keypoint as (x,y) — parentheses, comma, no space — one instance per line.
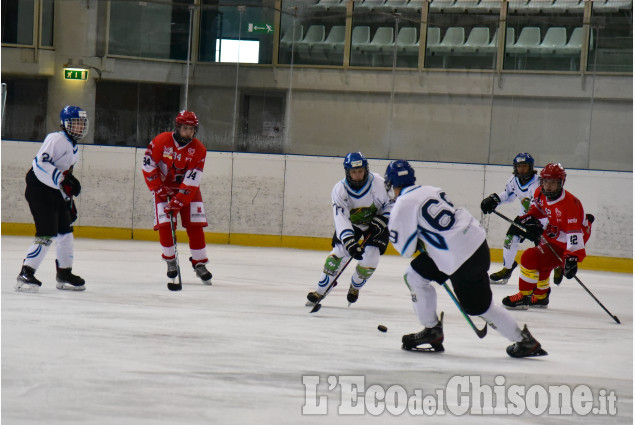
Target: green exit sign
(75,74)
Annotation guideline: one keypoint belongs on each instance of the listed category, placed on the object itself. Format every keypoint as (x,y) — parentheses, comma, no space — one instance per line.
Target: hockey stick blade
(316,308)
(172,286)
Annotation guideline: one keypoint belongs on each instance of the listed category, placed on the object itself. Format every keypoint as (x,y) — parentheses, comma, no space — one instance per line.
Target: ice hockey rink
(246,350)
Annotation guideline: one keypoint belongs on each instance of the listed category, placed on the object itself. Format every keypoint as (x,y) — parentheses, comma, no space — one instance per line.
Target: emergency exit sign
(75,74)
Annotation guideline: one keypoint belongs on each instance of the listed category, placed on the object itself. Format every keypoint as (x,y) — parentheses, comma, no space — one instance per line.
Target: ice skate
(26,280)
(502,276)
(540,302)
(353,294)
(432,336)
(202,272)
(173,268)
(557,275)
(313,298)
(67,280)
(528,347)
(517,301)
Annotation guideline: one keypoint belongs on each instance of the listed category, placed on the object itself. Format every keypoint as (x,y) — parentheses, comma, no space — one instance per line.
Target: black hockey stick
(173,286)
(318,304)
(560,260)
(479,332)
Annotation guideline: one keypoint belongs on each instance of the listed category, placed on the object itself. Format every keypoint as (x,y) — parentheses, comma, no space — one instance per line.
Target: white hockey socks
(36,253)
(365,267)
(502,320)
(64,245)
(424,298)
(509,252)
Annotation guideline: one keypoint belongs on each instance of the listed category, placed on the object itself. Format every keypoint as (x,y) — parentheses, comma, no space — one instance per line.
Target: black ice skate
(517,302)
(542,302)
(173,268)
(313,298)
(432,336)
(557,275)
(67,280)
(27,281)
(528,347)
(502,276)
(353,295)
(202,272)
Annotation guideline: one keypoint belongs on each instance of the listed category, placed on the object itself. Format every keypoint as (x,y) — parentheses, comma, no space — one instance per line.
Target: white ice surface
(128,351)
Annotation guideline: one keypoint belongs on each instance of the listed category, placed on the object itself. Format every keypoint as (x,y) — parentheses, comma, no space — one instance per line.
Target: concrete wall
(289,195)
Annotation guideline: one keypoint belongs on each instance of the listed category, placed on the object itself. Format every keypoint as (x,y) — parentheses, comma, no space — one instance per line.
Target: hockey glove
(354,249)
(174,206)
(378,226)
(163,192)
(532,226)
(489,204)
(570,267)
(70,185)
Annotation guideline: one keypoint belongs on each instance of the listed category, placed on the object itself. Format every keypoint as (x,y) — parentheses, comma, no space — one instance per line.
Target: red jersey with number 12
(568,227)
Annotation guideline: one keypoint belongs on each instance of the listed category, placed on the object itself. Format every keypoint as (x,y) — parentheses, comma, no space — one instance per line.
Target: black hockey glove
(570,267)
(533,228)
(72,209)
(489,204)
(354,249)
(378,226)
(70,185)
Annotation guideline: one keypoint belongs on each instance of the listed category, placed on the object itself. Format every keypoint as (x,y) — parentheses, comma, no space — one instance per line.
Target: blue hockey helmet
(355,160)
(399,173)
(74,122)
(524,159)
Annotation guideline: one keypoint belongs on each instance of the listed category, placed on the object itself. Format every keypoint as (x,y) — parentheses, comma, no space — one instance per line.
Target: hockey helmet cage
(553,171)
(74,122)
(185,118)
(524,158)
(399,173)
(355,160)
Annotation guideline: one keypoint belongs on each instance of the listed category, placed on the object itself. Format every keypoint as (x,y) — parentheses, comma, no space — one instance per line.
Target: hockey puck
(382,328)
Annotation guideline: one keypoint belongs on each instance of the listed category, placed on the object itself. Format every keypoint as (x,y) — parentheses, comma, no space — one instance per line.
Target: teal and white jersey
(423,218)
(522,192)
(357,207)
(57,155)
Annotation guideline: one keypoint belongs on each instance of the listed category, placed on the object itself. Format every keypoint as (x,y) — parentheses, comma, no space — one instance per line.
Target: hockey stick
(318,304)
(173,286)
(479,332)
(560,260)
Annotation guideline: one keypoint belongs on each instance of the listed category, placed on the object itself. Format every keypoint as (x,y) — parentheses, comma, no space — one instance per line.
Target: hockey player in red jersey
(173,168)
(567,231)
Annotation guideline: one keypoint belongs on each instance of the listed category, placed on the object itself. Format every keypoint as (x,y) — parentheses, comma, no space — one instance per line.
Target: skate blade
(498,282)
(520,307)
(309,304)
(538,306)
(207,282)
(437,348)
(26,287)
(69,287)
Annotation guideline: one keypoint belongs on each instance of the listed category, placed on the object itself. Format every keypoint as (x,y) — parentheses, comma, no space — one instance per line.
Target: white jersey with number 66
(423,218)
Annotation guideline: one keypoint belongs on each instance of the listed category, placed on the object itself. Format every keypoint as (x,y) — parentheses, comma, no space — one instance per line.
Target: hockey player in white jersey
(361,207)
(521,186)
(451,245)
(50,188)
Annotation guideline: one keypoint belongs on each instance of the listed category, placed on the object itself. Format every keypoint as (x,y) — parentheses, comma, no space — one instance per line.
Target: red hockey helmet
(187,118)
(553,171)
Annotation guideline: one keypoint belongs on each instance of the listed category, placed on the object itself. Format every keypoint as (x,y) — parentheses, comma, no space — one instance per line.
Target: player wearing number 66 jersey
(452,246)
(173,167)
